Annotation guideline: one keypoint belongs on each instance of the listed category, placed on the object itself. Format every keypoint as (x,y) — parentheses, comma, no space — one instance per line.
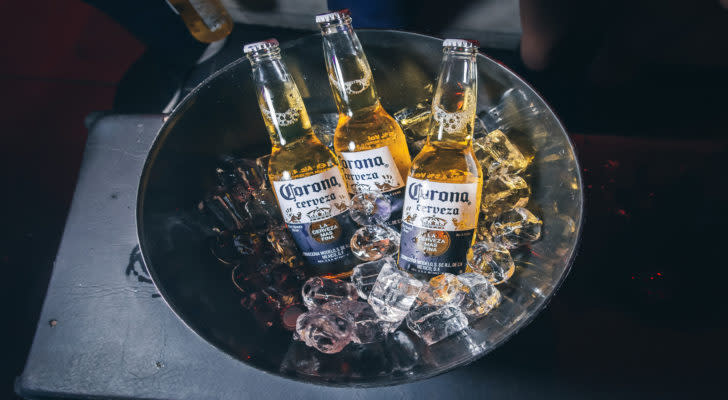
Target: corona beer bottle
(442,198)
(305,175)
(369,142)
(207,20)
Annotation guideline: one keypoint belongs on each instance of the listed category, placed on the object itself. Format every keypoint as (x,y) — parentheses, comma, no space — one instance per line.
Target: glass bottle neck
(349,73)
(280,102)
(454,102)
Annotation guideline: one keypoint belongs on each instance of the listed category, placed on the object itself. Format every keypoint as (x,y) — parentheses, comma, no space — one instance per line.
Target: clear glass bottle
(369,142)
(442,199)
(207,20)
(305,174)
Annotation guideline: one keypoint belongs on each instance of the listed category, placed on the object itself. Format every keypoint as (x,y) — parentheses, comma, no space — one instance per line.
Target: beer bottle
(305,174)
(442,198)
(207,20)
(369,142)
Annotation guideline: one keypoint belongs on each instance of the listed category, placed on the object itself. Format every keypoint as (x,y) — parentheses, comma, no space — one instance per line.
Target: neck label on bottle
(371,170)
(439,220)
(314,209)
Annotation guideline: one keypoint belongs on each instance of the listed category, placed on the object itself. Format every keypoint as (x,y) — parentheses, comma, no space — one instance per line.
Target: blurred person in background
(606,42)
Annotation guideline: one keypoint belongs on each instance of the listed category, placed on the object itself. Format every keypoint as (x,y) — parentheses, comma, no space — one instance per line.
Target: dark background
(646,294)
(60,61)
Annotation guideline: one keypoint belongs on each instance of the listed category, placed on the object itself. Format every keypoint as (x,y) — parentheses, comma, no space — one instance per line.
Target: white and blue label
(315,211)
(438,224)
(375,170)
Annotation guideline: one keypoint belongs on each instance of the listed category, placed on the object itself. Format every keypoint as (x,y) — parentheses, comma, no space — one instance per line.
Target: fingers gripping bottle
(442,198)
(369,142)
(305,174)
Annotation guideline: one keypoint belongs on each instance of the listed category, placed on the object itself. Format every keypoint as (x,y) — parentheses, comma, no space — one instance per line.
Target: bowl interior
(221,117)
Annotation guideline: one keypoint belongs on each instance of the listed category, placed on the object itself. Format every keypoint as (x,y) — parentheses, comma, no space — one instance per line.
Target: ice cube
(401,350)
(284,277)
(480,128)
(515,109)
(364,360)
(223,248)
(515,228)
(247,243)
(280,297)
(491,260)
(264,313)
(415,147)
(368,328)
(415,121)
(262,164)
(481,296)
(372,242)
(517,115)
(434,323)
(482,231)
(225,209)
(245,173)
(301,359)
(443,289)
(247,281)
(258,219)
(393,293)
(503,192)
(319,290)
(369,208)
(325,135)
(364,275)
(326,332)
(267,201)
(324,126)
(282,243)
(498,155)
(262,211)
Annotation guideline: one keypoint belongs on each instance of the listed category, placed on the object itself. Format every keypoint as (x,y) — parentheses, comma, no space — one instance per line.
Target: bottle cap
(340,15)
(464,43)
(257,46)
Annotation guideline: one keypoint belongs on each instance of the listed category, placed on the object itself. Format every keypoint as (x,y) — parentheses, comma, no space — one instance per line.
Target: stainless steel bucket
(221,116)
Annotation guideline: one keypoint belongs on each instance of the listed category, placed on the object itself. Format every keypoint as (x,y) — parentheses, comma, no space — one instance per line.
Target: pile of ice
(381,297)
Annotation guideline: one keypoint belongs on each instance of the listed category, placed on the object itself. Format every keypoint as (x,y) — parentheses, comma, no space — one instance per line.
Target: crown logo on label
(319,213)
(433,222)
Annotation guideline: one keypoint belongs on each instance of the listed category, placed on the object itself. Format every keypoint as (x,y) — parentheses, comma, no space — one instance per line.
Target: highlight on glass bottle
(305,174)
(443,192)
(371,145)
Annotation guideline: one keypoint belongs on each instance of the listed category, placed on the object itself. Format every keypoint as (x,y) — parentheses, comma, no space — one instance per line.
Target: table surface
(638,316)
